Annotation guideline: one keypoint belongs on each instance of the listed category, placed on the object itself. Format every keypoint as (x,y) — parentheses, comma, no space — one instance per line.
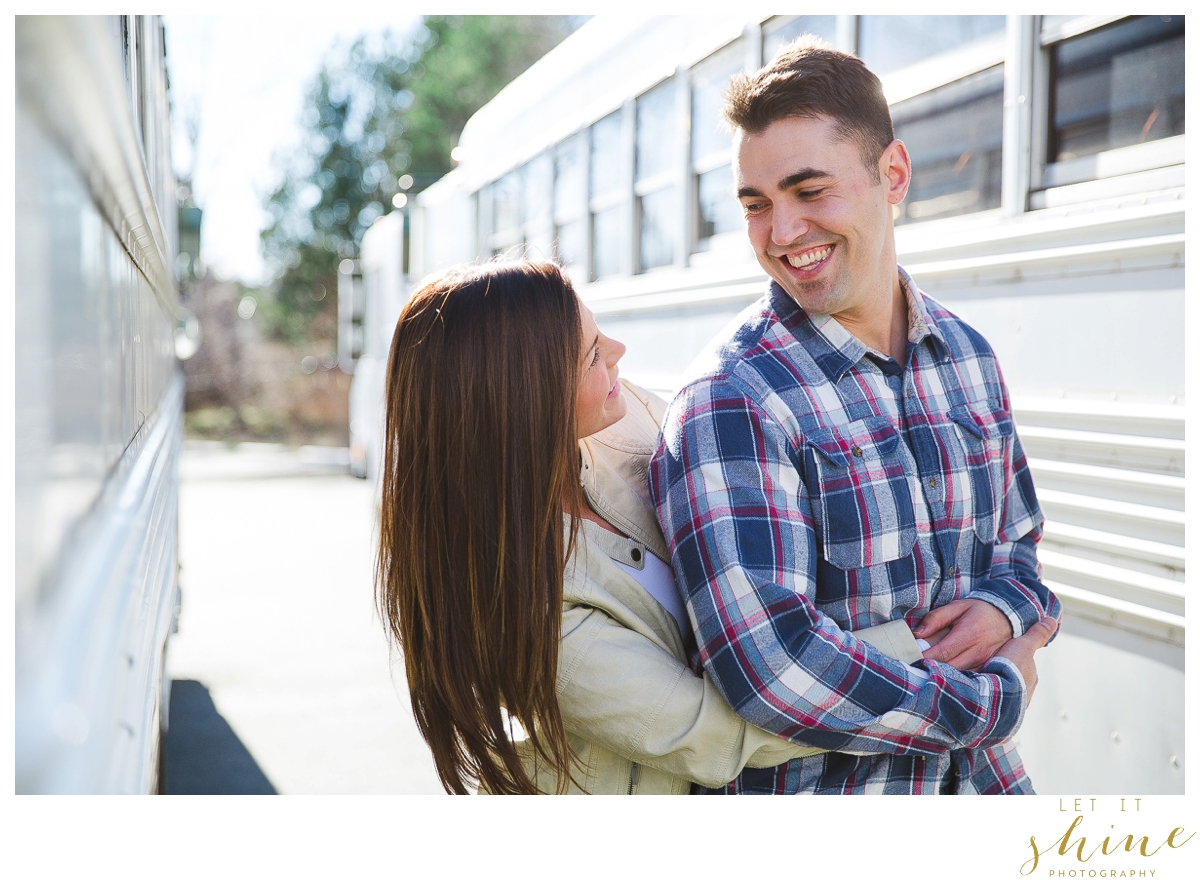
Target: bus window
(506,212)
(570,244)
(719,212)
(657,132)
(659,213)
(537,180)
(954,136)
(716,211)
(609,197)
(483,221)
(782,29)
(608,159)
(709,134)
(890,42)
(1117,86)
(609,235)
(570,202)
(657,176)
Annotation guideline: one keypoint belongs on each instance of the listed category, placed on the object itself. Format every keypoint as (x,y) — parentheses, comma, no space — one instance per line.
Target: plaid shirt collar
(835,348)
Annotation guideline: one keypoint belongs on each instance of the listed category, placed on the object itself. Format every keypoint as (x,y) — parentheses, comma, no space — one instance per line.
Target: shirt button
(933,482)
(856,451)
(950,572)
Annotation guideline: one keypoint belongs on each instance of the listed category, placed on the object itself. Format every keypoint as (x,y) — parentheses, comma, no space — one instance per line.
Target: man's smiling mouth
(808,258)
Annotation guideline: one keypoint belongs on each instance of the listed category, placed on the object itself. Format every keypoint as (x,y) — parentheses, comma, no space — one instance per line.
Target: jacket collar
(613,466)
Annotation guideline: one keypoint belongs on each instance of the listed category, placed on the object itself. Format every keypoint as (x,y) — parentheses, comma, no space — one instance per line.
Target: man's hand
(1020,651)
(976,630)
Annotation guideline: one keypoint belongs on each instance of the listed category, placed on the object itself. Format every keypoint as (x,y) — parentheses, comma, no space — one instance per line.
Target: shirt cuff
(1012,602)
(1008,669)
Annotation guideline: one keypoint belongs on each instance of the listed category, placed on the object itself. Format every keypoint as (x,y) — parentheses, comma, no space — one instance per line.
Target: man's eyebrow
(801,176)
(788,182)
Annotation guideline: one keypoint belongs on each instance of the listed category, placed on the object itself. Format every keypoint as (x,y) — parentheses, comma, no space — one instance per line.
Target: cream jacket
(637,718)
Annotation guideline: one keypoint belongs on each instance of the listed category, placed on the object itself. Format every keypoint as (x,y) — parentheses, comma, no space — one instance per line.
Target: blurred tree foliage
(387,107)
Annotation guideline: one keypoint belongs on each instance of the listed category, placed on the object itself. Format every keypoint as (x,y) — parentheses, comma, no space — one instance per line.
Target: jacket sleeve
(738,520)
(619,689)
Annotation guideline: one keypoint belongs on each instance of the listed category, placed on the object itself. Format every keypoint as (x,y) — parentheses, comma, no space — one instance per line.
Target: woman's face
(599,402)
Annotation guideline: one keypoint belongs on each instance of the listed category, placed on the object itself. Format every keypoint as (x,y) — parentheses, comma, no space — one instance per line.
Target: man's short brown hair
(809,78)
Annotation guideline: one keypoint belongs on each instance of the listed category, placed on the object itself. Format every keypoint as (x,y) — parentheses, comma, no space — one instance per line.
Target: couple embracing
(813,571)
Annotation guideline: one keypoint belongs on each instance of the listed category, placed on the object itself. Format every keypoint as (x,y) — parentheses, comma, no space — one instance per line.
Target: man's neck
(882,323)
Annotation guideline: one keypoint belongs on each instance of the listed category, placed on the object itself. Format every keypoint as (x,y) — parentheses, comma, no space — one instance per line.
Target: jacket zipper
(633,778)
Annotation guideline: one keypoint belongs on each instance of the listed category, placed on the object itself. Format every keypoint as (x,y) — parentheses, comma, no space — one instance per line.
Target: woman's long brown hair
(479,453)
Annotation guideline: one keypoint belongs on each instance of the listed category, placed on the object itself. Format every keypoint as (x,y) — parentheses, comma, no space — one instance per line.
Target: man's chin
(812,296)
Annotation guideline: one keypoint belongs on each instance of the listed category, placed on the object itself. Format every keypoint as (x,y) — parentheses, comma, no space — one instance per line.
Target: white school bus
(1046,208)
(99,403)
(371,292)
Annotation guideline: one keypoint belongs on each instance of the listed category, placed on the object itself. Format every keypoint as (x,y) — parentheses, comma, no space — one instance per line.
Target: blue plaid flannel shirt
(809,487)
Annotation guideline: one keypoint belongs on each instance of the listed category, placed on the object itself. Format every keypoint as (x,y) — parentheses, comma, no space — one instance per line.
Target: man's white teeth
(809,257)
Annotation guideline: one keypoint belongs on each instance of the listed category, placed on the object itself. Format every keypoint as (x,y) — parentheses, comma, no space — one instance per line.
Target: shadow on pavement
(204,755)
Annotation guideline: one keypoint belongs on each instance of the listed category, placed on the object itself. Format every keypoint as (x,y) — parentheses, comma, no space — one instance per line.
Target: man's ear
(895,171)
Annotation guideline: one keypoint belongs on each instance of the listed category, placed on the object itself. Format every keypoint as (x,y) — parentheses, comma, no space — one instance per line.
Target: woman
(521,570)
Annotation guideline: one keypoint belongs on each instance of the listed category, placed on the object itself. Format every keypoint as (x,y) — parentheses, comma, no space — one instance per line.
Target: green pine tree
(385,108)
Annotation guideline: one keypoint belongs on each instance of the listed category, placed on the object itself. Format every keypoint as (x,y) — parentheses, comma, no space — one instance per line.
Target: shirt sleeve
(737,517)
(1014,584)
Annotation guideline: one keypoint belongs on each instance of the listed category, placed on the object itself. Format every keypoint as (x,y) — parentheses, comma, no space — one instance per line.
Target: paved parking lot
(286,682)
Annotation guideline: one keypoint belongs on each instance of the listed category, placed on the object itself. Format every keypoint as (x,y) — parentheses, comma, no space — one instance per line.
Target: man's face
(820,225)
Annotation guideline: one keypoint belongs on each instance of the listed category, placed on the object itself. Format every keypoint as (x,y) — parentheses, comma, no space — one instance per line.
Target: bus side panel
(98,433)
(1097,335)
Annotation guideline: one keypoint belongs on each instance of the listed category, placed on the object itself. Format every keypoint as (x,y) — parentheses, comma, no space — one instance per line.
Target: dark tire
(160,786)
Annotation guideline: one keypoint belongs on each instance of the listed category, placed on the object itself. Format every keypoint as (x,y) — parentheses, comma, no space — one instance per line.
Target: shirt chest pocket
(983,436)
(863,508)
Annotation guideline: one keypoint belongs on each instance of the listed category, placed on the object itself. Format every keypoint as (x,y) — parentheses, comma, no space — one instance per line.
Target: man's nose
(789,223)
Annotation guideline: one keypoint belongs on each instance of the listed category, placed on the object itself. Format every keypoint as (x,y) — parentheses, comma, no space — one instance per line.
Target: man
(845,456)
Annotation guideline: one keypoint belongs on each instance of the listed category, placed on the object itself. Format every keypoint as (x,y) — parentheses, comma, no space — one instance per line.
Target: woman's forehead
(588,322)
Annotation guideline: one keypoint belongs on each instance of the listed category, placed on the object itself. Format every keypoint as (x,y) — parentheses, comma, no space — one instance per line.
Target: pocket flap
(988,425)
(865,439)
(826,443)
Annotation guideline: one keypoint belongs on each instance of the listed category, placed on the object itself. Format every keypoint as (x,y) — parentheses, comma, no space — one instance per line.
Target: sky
(244,79)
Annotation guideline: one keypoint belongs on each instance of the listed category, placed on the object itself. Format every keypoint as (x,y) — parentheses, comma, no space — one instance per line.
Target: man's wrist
(1021,614)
